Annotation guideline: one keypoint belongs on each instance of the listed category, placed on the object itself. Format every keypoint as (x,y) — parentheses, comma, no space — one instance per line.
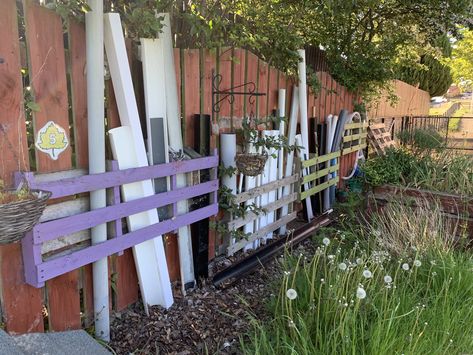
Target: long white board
(176,145)
(129,149)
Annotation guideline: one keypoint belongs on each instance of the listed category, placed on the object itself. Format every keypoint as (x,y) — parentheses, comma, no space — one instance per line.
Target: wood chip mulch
(206,321)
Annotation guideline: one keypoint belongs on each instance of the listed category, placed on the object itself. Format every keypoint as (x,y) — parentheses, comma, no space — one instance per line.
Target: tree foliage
(365,40)
(462,58)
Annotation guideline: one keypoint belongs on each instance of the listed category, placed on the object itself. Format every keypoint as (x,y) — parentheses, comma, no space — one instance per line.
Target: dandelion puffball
(405,266)
(367,274)
(360,293)
(417,263)
(388,279)
(342,266)
(326,241)
(291,294)
(359,261)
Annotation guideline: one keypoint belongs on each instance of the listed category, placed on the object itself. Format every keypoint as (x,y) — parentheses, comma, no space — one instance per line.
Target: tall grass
(361,299)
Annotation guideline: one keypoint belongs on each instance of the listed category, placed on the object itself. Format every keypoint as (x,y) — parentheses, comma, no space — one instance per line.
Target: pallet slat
(318,188)
(262,232)
(320,159)
(251,216)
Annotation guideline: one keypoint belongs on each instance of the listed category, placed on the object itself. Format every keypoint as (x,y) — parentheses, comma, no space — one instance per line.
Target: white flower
(367,274)
(342,266)
(359,261)
(388,279)
(291,324)
(360,293)
(326,241)
(433,262)
(291,294)
(417,263)
(331,257)
(405,266)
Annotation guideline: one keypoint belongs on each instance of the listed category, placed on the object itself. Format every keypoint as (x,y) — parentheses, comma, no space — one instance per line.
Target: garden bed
(452,205)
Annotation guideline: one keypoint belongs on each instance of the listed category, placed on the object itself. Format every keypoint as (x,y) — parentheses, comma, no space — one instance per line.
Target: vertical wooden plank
(273,90)
(77,56)
(21,303)
(48,80)
(239,79)
(48,77)
(263,73)
(172,256)
(323,96)
(192,87)
(225,67)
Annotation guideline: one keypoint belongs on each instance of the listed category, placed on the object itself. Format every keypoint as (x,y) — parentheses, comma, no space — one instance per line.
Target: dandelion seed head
(331,257)
(360,293)
(359,261)
(388,279)
(405,266)
(367,274)
(417,263)
(326,241)
(291,294)
(342,266)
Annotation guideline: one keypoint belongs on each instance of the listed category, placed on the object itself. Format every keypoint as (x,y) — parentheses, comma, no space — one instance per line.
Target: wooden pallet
(380,138)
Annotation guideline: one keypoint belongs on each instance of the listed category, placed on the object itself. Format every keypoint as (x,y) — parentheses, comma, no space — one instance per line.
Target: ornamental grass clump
(361,298)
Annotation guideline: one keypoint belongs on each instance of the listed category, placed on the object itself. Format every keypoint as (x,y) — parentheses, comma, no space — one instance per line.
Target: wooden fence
(42,68)
(411,101)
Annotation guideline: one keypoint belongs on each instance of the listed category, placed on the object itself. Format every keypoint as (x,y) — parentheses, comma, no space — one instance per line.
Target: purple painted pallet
(38,271)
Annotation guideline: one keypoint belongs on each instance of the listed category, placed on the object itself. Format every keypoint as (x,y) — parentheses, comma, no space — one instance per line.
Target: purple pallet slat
(93,182)
(55,267)
(54,229)
(38,271)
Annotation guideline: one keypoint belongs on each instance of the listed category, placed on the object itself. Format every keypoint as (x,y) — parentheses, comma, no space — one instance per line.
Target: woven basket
(19,217)
(251,164)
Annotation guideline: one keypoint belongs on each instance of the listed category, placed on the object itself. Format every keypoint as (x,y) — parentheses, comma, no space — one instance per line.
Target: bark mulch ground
(207,321)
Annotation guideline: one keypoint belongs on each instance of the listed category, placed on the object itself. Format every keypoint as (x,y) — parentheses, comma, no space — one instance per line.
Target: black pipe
(243,267)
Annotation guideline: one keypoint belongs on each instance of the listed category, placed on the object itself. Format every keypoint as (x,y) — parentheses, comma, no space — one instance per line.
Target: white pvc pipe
(273,176)
(328,148)
(304,122)
(250,182)
(176,144)
(290,156)
(282,131)
(96,138)
(228,152)
(265,178)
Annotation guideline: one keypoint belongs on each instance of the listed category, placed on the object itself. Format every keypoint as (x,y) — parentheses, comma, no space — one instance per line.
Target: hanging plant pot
(20,215)
(250,164)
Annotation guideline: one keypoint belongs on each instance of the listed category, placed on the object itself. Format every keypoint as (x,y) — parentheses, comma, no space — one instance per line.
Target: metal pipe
(235,272)
(96,137)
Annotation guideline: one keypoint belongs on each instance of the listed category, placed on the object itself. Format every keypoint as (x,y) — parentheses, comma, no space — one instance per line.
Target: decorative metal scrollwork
(218,96)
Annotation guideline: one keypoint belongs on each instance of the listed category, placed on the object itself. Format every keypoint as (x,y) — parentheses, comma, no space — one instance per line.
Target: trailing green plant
(359,298)
(252,135)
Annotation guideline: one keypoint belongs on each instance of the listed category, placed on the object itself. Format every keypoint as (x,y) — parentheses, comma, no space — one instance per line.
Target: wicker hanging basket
(250,164)
(19,217)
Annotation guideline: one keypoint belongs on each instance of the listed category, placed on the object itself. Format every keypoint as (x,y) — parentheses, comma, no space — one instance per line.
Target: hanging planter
(20,210)
(251,164)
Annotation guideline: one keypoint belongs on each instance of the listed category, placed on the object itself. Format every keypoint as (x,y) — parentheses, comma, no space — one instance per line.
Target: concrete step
(8,345)
(76,342)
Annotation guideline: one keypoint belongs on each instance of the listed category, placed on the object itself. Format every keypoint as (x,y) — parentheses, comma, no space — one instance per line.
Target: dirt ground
(207,321)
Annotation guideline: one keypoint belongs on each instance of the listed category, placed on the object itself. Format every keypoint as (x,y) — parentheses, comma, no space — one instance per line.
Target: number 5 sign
(52,140)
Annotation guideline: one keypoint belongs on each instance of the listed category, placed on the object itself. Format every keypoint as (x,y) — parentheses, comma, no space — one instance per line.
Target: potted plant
(20,210)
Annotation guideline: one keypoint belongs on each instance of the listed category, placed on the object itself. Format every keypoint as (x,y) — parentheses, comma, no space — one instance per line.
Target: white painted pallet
(149,256)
